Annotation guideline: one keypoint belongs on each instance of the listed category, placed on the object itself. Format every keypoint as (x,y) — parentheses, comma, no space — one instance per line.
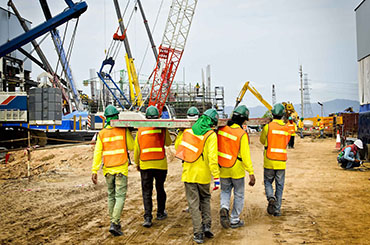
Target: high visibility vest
(291,128)
(151,141)
(228,140)
(352,149)
(114,146)
(191,145)
(321,125)
(278,137)
(300,124)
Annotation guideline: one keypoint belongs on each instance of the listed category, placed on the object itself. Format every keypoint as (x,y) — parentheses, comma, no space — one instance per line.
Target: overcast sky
(261,41)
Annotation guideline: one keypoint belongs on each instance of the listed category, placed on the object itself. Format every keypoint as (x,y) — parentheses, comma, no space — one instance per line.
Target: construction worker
(234,159)
(151,161)
(320,125)
(300,127)
(275,137)
(349,156)
(112,145)
(197,148)
(292,130)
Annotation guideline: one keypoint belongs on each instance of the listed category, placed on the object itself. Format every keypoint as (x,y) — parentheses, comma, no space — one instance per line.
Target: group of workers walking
(205,152)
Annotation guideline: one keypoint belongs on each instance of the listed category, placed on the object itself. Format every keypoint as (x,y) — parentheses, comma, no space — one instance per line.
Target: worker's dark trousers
(291,142)
(348,164)
(147,177)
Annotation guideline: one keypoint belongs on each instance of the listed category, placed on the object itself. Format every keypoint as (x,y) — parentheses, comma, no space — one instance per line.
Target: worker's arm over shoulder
(245,154)
(129,140)
(168,140)
(263,137)
(97,155)
(212,150)
(178,139)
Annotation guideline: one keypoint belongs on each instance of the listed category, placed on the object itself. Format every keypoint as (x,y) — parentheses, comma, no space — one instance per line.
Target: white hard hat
(358,143)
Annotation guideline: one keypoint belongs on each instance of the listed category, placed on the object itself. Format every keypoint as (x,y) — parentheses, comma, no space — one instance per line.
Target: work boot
(198,238)
(162,216)
(237,225)
(207,231)
(271,206)
(115,229)
(148,222)
(224,218)
(277,213)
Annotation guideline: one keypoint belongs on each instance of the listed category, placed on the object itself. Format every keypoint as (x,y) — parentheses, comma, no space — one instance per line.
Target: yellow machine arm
(254,92)
(133,81)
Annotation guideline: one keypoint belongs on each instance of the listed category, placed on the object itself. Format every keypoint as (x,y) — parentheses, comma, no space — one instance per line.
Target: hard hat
(302,118)
(290,118)
(241,110)
(212,113)
(192,111)
(152,112)
(278,110)
(319,119)
(110,111)
(358,143)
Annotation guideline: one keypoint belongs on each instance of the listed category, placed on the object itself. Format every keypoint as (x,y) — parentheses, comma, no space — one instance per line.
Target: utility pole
(301,76)
(273,95)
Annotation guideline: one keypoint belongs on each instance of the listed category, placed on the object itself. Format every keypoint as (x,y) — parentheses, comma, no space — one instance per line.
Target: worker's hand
(252,180)
(137,167)
(217,183)
(94,178)
(356,160)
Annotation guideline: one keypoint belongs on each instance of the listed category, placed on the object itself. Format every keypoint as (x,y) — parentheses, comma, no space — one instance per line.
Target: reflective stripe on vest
(114,146)
(151,141)
(228,141)
(191,145)
(277,140)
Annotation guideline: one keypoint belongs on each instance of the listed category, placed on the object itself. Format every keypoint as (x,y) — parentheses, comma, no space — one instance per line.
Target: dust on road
(321,203)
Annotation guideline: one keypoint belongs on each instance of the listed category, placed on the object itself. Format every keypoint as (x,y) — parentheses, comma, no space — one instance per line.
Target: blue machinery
(74,11)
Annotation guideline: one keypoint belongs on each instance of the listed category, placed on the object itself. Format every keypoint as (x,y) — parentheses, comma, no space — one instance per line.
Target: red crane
(171,50)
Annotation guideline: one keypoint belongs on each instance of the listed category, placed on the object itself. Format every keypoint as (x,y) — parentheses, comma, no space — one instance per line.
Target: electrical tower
(306,98)
(273,95)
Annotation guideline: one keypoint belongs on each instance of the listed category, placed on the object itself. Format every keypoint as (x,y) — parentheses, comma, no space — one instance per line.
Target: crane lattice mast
(171,50)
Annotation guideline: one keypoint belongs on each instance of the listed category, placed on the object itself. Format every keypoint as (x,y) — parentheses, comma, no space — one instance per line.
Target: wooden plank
(176,123)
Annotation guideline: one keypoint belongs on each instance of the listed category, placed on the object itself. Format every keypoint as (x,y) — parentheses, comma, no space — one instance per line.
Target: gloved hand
(252,180)
(94,178)
(217,183)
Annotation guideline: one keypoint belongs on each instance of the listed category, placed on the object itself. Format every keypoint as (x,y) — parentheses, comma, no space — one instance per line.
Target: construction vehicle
(289,108)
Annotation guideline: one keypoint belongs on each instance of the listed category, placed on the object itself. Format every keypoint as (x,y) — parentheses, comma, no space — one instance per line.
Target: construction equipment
(254,92)
(171,50)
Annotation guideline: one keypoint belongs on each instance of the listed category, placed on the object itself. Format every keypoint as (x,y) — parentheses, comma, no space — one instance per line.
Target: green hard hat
(192,111)
(152,112)
(302,118)
(290,118)
(319,119)
(212,113)
(241,110)
(278,110)
(110,111)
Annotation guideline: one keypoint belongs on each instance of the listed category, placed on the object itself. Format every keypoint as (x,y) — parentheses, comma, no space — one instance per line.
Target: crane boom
(171,50)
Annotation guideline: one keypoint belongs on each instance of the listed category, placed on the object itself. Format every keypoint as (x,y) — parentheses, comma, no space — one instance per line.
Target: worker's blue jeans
(117,188)
(227,184)
(269,175)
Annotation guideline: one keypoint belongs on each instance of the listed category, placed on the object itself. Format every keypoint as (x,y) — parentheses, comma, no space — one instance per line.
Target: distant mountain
(331,106)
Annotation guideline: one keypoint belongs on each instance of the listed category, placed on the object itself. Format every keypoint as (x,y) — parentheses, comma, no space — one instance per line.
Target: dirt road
(322,203)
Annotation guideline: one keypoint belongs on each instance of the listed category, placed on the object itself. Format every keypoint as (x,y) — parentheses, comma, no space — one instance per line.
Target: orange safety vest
(321,125)
(228,140)
(291,127)
(151,141)
(114,146)
(278,137)
(191,145)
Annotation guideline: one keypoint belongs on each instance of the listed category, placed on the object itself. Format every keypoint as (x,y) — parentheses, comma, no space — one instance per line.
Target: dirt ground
(322,203)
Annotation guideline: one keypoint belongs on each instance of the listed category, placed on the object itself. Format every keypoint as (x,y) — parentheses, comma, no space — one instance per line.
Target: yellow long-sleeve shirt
(200,171)
(153,164)
(123,169)
(238,170)
(267,163)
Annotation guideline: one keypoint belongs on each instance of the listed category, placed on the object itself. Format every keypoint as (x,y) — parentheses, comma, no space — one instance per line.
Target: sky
(262,41)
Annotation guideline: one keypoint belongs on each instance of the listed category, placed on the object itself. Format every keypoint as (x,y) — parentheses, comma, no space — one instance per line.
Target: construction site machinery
(171,50)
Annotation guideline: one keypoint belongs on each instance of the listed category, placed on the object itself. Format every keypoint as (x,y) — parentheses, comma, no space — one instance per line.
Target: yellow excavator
(289,108)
